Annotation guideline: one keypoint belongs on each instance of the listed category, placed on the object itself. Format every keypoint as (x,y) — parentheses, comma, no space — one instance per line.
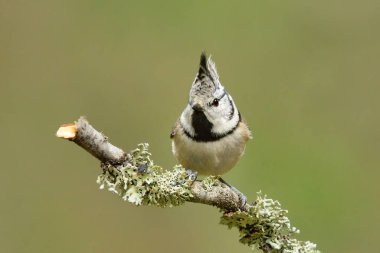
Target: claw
(192,175)
(243,200)
(142,168)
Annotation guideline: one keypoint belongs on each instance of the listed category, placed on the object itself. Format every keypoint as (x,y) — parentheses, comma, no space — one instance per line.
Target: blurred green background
(304,74)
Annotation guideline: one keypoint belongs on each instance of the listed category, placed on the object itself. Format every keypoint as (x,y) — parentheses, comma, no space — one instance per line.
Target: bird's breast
(212,157)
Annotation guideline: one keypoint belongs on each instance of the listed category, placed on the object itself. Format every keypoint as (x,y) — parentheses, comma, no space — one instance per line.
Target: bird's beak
(197,107)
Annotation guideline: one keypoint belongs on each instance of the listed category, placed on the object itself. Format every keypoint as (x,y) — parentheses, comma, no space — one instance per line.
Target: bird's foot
(192,175)
(242,197)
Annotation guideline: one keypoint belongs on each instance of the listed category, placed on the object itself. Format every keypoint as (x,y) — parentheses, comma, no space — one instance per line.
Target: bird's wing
(174,130)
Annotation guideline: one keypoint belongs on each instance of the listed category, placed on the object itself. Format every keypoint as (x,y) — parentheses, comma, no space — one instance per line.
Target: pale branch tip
(94,142)
(135,178)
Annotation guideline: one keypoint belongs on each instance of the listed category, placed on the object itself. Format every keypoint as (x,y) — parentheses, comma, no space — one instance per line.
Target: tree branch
(135,178)
(94,142)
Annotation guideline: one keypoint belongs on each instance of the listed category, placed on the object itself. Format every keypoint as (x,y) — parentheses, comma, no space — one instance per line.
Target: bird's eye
(215,102)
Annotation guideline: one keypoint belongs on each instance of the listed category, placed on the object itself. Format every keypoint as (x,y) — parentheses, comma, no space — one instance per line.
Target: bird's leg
(242,197)
(192,175)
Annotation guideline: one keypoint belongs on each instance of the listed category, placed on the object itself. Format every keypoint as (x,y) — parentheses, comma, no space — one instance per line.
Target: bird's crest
(207,79)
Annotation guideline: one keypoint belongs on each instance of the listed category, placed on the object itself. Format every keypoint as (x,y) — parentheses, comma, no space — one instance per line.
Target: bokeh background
(304,74)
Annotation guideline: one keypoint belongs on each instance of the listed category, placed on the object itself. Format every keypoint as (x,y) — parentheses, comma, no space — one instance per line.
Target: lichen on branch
(265,226)
(140,182)
(135,178)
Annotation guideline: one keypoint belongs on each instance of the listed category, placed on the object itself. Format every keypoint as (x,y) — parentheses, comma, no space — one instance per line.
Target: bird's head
(211,110)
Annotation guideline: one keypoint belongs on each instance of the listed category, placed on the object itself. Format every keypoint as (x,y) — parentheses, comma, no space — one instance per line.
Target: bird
(210,135)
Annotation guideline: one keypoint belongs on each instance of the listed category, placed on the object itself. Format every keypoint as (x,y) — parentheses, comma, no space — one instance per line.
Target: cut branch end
(67,131)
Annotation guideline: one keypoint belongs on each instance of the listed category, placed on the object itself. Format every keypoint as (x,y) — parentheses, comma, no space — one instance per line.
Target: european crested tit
(210,135)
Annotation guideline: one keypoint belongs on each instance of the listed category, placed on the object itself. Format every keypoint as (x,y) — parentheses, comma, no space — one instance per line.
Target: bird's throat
(202,127)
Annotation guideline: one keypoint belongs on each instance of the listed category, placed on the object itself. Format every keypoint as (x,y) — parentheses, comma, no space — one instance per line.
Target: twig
(94,142)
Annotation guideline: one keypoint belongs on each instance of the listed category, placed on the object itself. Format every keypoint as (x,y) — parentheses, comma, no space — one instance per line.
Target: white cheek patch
(185,120)
(223,124)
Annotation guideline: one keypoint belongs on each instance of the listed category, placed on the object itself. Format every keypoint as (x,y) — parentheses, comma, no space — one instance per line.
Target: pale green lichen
(265,226)
(141,182)
(209,182)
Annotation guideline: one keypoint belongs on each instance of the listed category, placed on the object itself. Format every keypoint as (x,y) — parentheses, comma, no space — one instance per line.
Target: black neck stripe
(207,136)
